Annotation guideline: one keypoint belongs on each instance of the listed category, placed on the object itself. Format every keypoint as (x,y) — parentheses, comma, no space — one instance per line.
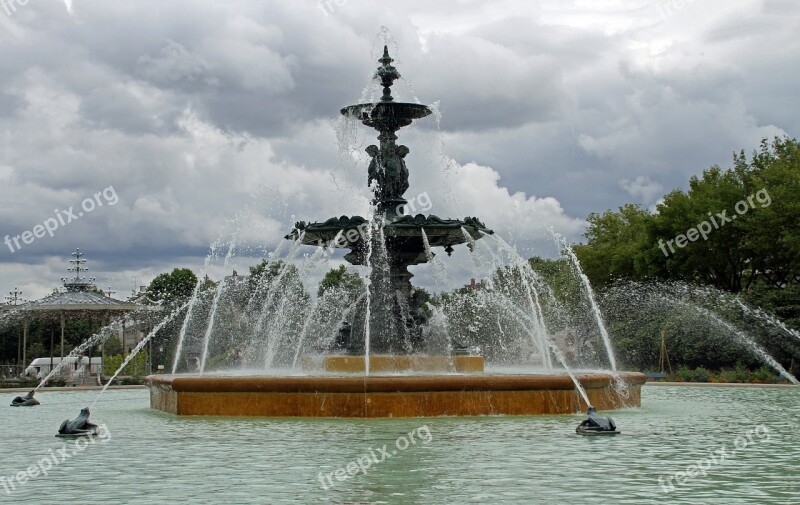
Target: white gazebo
(80,296)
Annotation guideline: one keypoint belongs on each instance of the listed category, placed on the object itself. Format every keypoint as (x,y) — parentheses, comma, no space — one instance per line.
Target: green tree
(36,350)
(719,258)
(263,273)
(772,233)
(137,367)
(173,288)
(113,345)
(617,244)
(734,229)
(731,229)
(341,278)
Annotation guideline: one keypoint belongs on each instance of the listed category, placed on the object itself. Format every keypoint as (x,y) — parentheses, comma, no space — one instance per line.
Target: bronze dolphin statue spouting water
(80,426)
(594,424)
(25,401)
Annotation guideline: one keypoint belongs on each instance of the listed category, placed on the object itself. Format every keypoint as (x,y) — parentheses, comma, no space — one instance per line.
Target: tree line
(734,229)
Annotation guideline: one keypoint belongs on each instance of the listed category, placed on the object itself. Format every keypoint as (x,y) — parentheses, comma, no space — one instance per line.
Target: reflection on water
(157,458)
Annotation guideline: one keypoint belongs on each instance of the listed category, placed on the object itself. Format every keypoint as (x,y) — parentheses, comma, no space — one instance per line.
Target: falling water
(368,314)
(621,387)
(590,295)
(438,267)
(276,331)
(757,349)
(274,255)
(311,314)
(272,292)
(210,326)
(312,311)
(760,314)
(192,301)
(374,223)
(185,326)
(214,304)
(270,285)
(439,341)
(9,314)
(476,260)
(559,356)
(172,315)
(528,277)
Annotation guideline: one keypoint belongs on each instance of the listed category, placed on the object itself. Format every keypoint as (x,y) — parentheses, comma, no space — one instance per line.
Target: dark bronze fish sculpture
(25,401)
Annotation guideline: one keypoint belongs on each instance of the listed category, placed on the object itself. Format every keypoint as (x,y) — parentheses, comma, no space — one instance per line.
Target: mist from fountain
(317,305)
(311,313)
(767,318)
(749,342)
(210,326)
(714,308)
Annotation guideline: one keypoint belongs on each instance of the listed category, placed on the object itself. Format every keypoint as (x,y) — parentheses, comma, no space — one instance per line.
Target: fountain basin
(395,396)
(393,363)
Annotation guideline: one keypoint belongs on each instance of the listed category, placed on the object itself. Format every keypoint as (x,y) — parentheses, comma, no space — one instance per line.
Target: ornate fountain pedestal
(388,320)
(378,397)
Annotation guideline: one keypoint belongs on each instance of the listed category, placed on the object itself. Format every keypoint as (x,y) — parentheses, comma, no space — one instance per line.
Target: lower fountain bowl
(390,396)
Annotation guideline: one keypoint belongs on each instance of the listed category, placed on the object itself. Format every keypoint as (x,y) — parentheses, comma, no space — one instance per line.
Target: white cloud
(643,189)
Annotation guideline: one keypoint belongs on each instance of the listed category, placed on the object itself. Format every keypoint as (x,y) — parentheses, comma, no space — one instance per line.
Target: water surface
(158,458)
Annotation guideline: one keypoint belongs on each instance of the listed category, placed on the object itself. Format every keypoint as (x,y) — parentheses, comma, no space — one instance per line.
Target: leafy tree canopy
(172,288)
(340,278)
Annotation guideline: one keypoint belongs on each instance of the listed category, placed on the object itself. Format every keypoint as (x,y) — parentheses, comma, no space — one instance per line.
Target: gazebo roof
(79,300)
(80,294)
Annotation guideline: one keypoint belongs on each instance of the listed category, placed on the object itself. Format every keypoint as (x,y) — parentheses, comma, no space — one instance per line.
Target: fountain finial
(387,74)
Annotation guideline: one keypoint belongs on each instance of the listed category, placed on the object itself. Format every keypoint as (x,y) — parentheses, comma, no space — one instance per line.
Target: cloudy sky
(192,122)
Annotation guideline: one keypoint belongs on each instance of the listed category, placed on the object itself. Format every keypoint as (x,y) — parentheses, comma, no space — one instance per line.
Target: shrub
(684,375)
(701,375)
(137,366)
(765,375)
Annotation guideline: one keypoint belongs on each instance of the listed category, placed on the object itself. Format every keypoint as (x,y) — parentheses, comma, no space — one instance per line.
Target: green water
(157,458)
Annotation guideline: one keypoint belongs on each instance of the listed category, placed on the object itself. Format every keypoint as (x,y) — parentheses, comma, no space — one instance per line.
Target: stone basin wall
(395,396)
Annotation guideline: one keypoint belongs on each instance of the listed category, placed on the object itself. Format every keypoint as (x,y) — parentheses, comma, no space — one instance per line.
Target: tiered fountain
(376,365)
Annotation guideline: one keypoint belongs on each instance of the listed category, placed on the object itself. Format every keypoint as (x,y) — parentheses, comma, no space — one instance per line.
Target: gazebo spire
(14,297)
(78,283)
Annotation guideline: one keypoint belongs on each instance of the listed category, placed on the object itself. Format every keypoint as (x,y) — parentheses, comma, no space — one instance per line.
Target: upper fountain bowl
(375,114)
